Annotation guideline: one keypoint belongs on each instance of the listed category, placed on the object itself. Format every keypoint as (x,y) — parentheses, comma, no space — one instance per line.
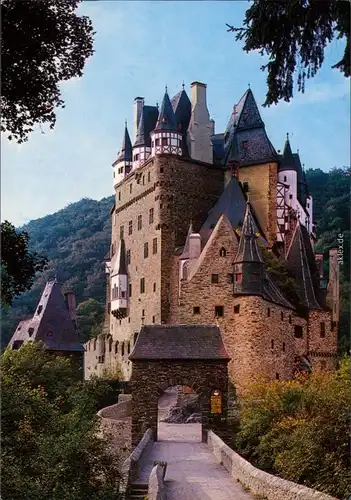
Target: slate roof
(246,133)
(232,204)
(51,323)
(120,266)
(272,293)
(301,262)
(179,342)
(166,119)
(147,123)
(287,160)
(181,106)
(248,250)
(125,153)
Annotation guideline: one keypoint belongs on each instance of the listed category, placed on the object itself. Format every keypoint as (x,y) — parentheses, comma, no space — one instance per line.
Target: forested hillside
(77,239)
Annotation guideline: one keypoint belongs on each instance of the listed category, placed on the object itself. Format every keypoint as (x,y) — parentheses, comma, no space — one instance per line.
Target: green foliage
(50,446)
(18,265)
(90,317)
(300,429)
(43,43)
(294,35)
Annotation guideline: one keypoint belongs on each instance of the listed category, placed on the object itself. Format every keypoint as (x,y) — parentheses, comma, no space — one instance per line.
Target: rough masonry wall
(150,379)
(322,346)
(188,191)
(262,180)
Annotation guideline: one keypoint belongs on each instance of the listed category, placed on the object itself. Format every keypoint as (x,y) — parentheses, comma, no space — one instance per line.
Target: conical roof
(120,266)
(287,159)
(166,118)
(125,153)
(301,263)
(248,250)
(147,122)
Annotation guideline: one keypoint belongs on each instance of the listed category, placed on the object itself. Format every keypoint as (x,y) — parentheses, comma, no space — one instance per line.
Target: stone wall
(116,427)
(259,482)
(151,378)
(132,465)
(322,346)
(157,487)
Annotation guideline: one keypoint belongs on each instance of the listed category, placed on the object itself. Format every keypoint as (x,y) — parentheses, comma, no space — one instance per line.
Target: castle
(196,214)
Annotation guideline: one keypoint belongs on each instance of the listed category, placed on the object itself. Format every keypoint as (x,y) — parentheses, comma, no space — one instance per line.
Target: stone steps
(138,491)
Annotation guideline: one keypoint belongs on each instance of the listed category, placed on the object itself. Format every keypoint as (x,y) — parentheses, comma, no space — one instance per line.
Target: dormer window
(49,333)
(222,252)
(245,144)
(30,331)
(164,119)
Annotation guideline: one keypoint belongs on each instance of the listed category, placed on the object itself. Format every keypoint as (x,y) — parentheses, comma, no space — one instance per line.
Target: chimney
(70,298)
(333,300)
(200,127)
(138,106)
(198,94)
(319,263)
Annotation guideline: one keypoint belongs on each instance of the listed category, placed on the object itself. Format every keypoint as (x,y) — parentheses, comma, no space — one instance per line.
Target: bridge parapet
(259,482)
(157,487)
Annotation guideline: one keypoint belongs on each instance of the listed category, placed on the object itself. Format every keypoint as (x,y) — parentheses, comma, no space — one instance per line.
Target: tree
(49,441)
(90,317)
(299,429)
(18,265)
(43,43)
(294,34)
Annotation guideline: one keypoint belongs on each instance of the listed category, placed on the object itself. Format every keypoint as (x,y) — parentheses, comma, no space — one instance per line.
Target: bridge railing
(260,483)
(131,467)
(157,487)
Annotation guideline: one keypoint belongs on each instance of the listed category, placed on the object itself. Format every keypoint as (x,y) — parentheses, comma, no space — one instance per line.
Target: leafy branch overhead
(43,44)
(294,35)
(18,265)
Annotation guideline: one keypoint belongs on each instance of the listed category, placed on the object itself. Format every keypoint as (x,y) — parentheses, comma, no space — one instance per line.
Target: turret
(119,283)
(166,138)
(123,163)
(248,264)
(287,175)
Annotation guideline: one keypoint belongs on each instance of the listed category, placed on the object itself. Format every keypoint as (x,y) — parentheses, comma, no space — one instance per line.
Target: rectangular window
(140,222)
(121,232)
(283,346)
(164,141)
(130,187)
(148,177)
(246,187)
(180,143)
(196,310)
(238,277)
(255,276)
(268,312)
(161,170)
(219,311)
(277,376)
(284,178)
(322,329)
(130,290)
(142,285)
(290,196)
(282,316)
(272,344)
(154,287)
(128,257)
(151,216)
(157,142)
(214,278)
(298,331)
(146,250)
(289,319)
(154,245)
(153,319)
(237,309)
(230,277)
(119,196)
(130,227)
(143,313)
(143,180)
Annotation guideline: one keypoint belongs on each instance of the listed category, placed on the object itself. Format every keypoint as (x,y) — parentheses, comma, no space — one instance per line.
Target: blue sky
(139,48)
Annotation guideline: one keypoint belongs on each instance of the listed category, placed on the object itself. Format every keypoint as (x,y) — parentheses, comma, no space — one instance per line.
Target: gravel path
(192,472)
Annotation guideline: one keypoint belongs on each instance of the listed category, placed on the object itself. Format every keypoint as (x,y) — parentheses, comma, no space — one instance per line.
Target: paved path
(192,472)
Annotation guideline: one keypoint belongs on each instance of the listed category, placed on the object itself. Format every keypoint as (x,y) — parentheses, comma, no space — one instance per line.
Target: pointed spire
(248,250)
(166,119)
(183,85)
(288,162)
(120,266)
(125,153)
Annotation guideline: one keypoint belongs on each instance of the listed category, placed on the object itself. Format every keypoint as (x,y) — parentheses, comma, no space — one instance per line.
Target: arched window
(110,344)
(222,252)
(116,347)
(122,349)
(185,272)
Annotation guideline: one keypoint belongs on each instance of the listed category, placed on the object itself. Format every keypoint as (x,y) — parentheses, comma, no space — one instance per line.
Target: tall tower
(123,163)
